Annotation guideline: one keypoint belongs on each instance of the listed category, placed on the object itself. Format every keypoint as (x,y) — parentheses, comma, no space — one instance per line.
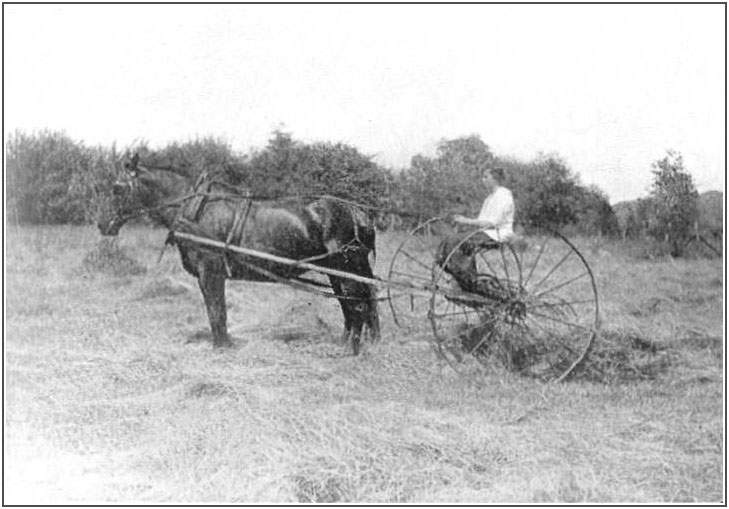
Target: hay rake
(534,309)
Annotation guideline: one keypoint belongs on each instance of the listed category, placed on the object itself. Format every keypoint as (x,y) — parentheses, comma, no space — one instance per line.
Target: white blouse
(498,209)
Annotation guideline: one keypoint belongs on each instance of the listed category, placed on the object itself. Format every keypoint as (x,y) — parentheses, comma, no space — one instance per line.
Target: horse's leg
(211,280)
(373,320)
(337,287)
(365,304)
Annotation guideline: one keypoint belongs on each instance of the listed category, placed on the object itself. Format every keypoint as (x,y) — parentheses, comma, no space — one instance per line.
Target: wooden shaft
(473,298)
(278,259)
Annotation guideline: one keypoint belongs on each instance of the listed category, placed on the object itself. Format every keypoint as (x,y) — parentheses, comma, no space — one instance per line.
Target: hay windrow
(622,356)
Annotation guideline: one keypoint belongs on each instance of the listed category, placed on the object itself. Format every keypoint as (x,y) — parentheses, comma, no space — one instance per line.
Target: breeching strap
(237,231)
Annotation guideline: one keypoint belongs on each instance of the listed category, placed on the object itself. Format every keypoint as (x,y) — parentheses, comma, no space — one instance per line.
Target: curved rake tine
(555,306)
(556,338)
(485,336)
(461,332)
(569,324)
(565,303)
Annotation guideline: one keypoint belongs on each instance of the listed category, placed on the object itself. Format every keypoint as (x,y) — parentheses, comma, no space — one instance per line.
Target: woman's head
(493,176)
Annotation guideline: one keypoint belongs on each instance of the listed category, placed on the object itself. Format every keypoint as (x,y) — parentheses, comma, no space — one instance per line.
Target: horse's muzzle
(110,227)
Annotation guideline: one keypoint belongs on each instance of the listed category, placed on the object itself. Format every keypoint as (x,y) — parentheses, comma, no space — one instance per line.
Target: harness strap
(235,234)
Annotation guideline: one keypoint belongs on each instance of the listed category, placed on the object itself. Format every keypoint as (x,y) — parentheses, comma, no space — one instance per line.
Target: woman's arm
(459,219)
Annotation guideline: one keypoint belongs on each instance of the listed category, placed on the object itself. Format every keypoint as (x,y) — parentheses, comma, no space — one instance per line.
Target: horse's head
(127,200)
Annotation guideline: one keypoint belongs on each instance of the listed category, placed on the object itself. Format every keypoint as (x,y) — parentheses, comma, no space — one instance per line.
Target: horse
(324,231)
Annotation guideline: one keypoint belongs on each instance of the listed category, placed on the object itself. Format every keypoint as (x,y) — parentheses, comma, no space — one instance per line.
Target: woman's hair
(497,172)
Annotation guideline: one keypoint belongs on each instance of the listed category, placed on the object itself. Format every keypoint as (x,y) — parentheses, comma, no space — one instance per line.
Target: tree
(289,167)
(448,182)
(548,193)
(675,202)
(595,216)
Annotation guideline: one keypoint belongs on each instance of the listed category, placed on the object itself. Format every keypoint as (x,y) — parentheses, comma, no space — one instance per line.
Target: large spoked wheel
(530,307)
(412,268)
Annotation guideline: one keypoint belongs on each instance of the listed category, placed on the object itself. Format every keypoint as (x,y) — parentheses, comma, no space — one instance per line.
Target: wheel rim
(542,316)
(412,264)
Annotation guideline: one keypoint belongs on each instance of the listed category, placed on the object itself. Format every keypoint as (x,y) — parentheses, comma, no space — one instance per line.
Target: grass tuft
(110,259)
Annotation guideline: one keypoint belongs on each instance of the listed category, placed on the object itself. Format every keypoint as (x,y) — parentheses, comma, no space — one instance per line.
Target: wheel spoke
(542,248)
(563,322)
(462,331)
(485,336)
(563,303)
(537,313)
(415,259)
(506,264)
(561,340)
(561,285)
(488,265)
(556,266)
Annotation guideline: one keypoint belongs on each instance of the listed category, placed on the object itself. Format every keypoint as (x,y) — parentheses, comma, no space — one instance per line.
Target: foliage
(547,194)
(594,213)
(193,156)
(449,181)
(545,190)
(53,179)
(711,214)
(675,202)
(287,166)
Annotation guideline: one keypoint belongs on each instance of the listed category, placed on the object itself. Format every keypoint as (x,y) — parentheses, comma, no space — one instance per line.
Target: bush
(676,202)
(52,179)
(192,156)
(289,167)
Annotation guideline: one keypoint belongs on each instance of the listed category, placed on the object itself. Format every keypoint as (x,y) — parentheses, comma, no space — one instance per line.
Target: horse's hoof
(223,344)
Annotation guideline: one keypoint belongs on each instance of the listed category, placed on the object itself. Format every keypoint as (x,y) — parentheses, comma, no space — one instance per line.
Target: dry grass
(114,394)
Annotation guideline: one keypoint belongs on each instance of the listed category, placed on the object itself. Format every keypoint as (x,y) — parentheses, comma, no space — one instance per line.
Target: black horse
(326,231)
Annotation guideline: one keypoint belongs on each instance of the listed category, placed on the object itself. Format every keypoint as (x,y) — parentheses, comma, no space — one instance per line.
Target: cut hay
(616,356)
(622,356)
(165,287)
(110,259)
(302,321)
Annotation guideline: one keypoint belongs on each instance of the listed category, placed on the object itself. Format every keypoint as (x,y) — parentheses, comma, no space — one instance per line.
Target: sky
(608,88)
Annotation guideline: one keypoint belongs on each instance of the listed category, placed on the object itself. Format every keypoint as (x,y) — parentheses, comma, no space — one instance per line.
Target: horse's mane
(182,172)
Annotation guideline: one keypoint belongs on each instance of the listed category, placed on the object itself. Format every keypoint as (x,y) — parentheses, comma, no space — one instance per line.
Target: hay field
(114,395)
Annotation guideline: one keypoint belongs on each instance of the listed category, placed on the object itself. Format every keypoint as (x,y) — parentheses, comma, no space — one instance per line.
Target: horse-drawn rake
(533,310)
(529,306)
(533,307)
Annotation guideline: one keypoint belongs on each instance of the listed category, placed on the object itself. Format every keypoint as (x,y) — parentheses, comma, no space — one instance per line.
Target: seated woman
(495,221)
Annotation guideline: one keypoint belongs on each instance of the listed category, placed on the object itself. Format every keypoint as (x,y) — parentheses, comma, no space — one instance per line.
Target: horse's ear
(131,166)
